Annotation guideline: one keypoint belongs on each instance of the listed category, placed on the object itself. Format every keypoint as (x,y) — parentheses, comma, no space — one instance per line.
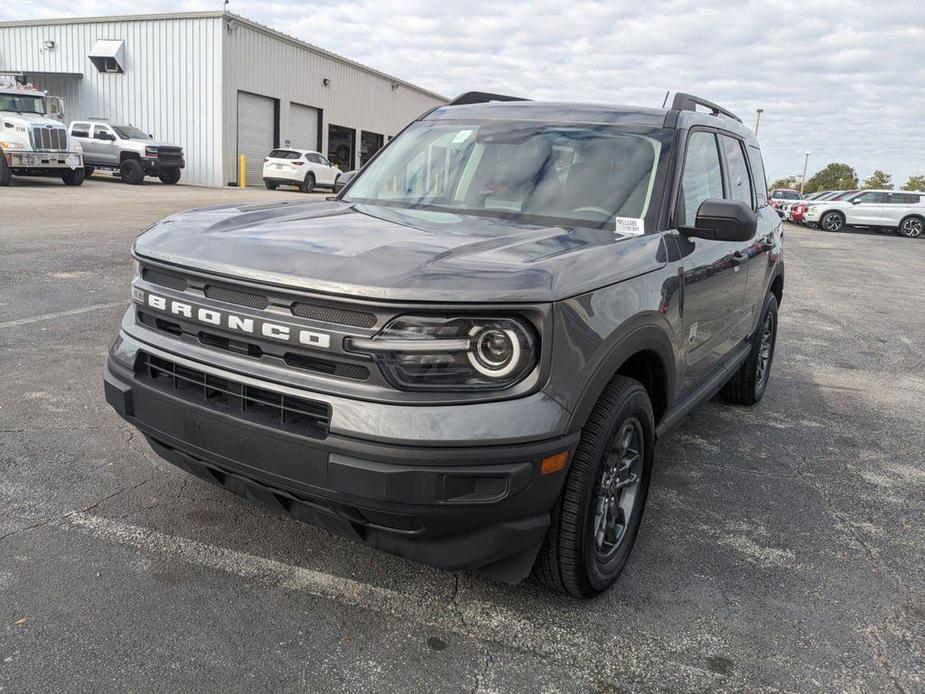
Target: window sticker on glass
(632,226)
(461,136)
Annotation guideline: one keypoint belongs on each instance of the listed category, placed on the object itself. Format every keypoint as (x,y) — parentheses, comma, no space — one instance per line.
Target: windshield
(127,132)
(582,174)
(785,195)
(22,103)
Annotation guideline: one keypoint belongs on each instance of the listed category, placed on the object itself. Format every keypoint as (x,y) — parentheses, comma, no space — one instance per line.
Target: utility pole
(758,113)
(805,164)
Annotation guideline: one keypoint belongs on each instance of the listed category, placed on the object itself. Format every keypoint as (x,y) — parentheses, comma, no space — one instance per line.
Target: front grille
(164,279)
(333,314)
(169,155)
(48,138)
(259,405)
(235,296)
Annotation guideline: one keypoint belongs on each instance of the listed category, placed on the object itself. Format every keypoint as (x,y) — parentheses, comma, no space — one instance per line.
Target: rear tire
(308,185)
(751,380)
(74,178)
(132,172)
(5,175)
(832,221)
(596,519)
(912,227)
(169,176)
(270,185)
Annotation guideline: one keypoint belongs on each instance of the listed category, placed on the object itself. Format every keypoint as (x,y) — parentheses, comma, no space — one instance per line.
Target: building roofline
(228,16)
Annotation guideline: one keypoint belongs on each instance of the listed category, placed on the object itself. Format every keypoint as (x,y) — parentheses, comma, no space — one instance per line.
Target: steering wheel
(598,210)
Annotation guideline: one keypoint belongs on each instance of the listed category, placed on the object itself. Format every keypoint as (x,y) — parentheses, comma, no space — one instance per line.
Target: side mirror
(343,180)
(723,220)
(856,201)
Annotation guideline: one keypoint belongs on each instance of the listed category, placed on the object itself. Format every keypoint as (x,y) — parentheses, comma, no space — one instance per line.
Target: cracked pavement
(782,547)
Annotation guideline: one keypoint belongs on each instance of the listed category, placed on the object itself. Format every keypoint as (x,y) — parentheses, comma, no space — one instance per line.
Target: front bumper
(453,507)
(154,166)
(44,160)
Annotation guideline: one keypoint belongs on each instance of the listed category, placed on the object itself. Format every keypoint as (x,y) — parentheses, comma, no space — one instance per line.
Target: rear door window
(703,178)
(80,130)
(740,185)
(760,180)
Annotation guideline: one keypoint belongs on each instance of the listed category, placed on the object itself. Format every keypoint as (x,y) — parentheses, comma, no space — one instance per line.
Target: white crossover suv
(302,168)
(901,211)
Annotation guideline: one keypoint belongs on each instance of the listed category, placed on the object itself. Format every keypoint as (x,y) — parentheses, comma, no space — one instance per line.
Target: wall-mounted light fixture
(326,82)
(49,45)
(395,86)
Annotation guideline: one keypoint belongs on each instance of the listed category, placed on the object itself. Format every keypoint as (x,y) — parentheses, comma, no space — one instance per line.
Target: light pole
(803,179)
(758,113)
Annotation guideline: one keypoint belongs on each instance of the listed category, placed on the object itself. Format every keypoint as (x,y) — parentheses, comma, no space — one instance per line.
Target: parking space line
(61,314)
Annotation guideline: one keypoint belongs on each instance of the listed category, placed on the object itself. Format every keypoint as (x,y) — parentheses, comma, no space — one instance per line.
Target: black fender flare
(646,333)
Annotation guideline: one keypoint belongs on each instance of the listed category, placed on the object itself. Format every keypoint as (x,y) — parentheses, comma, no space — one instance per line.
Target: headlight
(150,151)
(11,145)
(452,354)
(78,148)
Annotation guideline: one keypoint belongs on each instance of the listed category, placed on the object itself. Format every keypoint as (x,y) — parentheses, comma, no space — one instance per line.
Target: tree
(915,183)
(878,179)
(834,176)
(789,182)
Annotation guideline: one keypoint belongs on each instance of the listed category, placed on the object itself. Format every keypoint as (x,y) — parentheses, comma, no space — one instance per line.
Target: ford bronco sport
(466,357)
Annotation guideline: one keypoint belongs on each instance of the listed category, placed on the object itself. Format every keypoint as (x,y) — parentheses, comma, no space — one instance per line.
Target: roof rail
(482,98)
(689,102)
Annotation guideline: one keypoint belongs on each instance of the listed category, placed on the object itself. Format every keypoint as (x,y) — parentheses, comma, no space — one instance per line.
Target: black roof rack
(482,98)
(689,102)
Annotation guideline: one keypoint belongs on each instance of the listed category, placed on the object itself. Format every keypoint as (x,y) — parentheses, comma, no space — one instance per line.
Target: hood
(29,119)
(398,254)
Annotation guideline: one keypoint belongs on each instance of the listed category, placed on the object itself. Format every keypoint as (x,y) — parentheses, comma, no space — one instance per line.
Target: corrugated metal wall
(171,86)
(269,65)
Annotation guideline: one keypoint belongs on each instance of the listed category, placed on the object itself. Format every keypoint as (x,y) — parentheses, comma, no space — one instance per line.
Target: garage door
(303,127)
(256,133)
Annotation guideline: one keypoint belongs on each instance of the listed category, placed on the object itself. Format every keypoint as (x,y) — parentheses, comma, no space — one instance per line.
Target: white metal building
(215,83)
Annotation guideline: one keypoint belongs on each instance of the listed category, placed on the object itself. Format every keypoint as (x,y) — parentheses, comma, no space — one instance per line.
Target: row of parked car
(902,212)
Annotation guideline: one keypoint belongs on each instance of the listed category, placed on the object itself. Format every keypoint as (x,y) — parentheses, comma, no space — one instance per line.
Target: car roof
(568,112)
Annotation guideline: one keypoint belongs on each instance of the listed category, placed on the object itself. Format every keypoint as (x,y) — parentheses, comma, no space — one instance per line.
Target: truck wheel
(88,171)
(169,176)
(132,172)
(74,178)
(750,381)
(911,227)
(5,175)
(832,221)
(595,521)
(308,185)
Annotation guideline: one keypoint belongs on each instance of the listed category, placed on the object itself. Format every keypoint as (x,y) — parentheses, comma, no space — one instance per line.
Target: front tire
(5,175)
(911,227)
(308,185)
(832,221)
(751,380)
(74,178)
(595,522)
(132,172)
(169,176)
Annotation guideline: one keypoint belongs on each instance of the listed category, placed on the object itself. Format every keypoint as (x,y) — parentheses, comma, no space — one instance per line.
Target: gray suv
(128,151)
(467,356)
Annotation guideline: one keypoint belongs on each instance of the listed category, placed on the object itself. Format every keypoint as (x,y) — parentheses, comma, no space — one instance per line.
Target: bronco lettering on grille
(237,323)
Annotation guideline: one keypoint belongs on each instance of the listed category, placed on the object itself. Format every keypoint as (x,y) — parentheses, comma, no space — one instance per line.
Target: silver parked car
(130,152)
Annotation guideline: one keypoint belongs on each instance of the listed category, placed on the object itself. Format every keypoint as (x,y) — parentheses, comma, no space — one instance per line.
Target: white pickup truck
(32,143)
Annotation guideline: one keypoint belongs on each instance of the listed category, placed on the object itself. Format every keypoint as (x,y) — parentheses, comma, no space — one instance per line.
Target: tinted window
(870,198)
(314,158)
(737,171)
(760,179)
(80,130)
(101,130)
(903,199)
(702,179)
(283,154)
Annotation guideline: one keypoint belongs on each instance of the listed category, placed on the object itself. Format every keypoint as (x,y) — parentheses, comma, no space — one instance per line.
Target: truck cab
(32,141)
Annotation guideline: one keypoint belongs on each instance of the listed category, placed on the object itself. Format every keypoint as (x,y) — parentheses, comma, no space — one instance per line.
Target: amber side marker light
(554,463)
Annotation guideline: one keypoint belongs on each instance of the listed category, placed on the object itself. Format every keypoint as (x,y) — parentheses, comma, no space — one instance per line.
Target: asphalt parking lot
(783,546)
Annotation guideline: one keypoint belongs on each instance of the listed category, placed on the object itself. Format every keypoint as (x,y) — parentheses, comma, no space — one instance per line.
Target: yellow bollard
(242,175)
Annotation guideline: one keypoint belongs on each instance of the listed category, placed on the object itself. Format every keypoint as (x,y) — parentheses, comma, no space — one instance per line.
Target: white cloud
(841,78)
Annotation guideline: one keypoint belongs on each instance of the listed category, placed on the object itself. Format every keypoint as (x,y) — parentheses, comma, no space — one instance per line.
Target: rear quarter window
(760,178)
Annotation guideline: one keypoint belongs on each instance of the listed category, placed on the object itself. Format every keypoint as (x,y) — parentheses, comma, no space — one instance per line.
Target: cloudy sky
(844,79)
